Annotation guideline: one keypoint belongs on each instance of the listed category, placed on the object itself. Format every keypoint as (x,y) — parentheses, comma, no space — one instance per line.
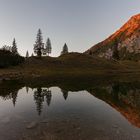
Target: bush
(7,59)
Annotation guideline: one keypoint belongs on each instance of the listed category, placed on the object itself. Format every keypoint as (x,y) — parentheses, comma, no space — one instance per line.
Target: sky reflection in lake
(105,112)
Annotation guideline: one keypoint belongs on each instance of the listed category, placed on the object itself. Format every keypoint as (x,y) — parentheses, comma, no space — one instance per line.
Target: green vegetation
(8,58)
(71,66)
(67,65)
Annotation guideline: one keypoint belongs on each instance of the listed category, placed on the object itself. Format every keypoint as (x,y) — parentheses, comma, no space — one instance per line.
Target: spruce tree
(27,54)
(14,47)
(48,47)
(65,49)
(39,45)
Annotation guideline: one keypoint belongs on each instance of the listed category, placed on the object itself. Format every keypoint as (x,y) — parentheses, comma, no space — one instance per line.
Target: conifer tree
(14,47)
(48,47)
(65,49)
(39,45)
(27,54)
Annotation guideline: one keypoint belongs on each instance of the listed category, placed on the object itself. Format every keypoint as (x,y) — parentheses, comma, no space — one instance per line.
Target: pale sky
(79,23)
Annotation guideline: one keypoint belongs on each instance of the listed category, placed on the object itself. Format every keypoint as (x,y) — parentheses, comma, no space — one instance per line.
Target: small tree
(48,47)
(39,45)
(65,49)
(27,54)
(14,47)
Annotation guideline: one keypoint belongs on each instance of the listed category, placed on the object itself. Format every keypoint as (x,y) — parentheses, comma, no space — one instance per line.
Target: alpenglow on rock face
(128,42)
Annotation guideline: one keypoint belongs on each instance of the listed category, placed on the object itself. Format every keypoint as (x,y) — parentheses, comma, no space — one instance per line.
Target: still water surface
(107,112)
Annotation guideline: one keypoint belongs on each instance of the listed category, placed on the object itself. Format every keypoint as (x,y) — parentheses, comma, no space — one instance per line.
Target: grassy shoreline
(71,66)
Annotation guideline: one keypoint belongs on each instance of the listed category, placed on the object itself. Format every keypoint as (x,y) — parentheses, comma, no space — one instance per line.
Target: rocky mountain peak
(128,38)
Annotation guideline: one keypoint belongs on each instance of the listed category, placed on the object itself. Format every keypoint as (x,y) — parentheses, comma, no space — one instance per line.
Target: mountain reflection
(124,97)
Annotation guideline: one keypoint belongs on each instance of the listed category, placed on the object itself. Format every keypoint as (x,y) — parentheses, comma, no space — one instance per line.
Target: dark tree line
(9,56)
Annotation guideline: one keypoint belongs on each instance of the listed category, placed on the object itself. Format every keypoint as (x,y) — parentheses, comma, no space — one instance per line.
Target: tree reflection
(39,99)
(14,97)
(11,96)
(123,96)
(65,94)
(48,94)
(27,89)
(39,96)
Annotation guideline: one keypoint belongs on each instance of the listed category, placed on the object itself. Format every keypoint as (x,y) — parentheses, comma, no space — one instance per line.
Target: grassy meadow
(72,65)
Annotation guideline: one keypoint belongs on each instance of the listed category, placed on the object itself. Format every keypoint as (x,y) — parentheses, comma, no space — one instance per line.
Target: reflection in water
(124,97)
(39,99)
(65,93)
(14,97)
(39,96)
(27,89)
(75,113)
(48,94)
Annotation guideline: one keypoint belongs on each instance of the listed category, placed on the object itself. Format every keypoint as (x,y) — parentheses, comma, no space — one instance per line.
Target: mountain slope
(128,42)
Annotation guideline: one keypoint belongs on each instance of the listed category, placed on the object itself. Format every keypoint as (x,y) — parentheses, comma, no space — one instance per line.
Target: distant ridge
(128,38)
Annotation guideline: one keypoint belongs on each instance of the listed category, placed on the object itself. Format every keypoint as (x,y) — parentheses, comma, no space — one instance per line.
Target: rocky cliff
(128,42)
